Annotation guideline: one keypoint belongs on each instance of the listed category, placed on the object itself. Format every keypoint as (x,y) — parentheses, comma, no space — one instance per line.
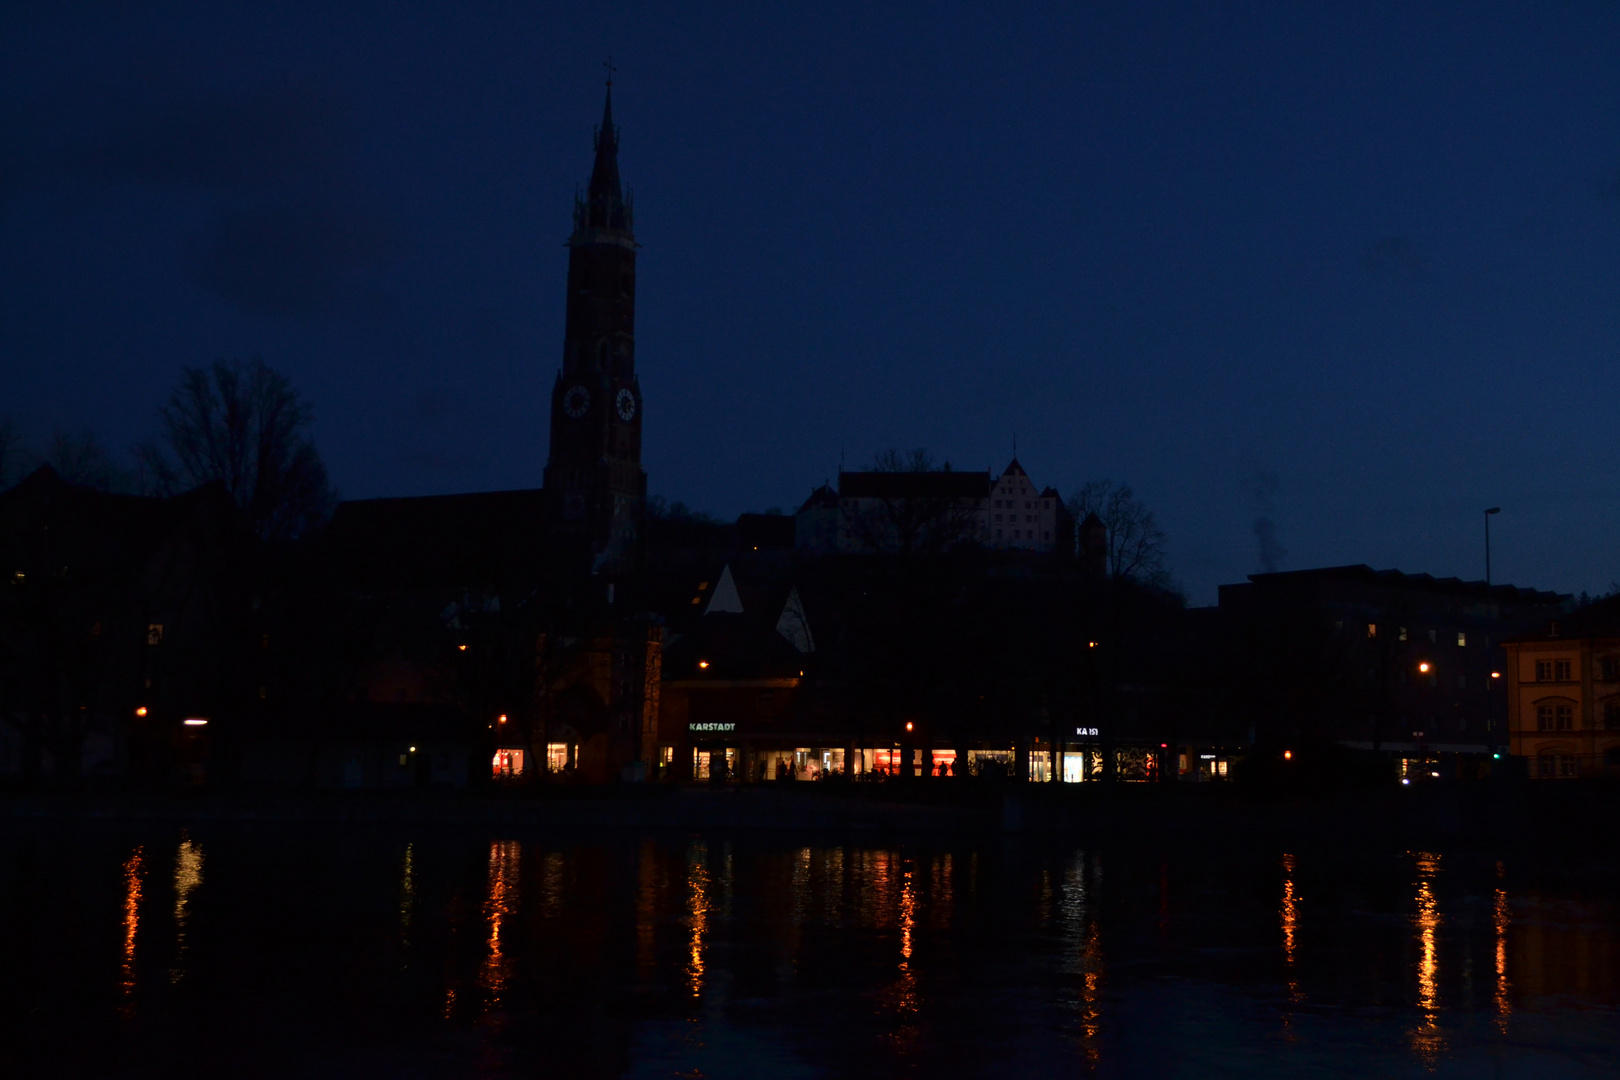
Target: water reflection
(902,997)
(1427,1040)
(1499,920)
(407,888)
(132,923)
(1086,950)
(188,875)
(698,887)
(1288,916)
(603,956)
(499,907)
(646,908)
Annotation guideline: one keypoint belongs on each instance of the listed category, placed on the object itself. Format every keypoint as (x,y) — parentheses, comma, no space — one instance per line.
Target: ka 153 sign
(1086,731)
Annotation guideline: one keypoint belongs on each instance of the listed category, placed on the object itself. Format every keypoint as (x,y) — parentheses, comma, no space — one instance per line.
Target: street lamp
(1488,513)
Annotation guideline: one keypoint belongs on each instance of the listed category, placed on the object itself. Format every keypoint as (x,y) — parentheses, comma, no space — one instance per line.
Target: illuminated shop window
(556,756)
(508,763)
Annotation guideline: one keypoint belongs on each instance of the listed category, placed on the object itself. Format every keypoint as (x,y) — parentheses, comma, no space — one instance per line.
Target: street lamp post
(1488,513)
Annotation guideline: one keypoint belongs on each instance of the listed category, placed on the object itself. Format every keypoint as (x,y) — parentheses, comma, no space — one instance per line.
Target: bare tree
(243,424)
(914,506)
(11,453)
(1135,541)
(83,459)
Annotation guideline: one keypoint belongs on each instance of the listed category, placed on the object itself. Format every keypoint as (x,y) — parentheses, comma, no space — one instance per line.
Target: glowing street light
(140,710)
(1424,667)
(195,721)
(503,718)
(703,663)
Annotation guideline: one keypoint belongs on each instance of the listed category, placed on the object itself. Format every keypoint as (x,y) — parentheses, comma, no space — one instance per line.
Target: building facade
(1564,694)
(933,510)
(1408,664)
(1023,517)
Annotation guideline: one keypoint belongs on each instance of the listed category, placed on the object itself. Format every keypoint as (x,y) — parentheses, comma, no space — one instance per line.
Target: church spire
(604,205)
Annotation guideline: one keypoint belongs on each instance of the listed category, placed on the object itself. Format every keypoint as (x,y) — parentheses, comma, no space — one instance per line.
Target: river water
(334,952)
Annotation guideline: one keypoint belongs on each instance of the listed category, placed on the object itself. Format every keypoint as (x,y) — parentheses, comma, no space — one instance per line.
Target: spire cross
(608,63)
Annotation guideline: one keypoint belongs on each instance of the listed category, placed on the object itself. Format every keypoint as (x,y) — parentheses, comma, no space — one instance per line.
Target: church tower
(594,475)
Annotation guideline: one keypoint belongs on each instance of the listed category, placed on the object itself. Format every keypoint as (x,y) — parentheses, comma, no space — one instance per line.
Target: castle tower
(594,473)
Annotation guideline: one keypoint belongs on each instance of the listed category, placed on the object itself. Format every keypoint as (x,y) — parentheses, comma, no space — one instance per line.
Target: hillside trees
(243,424)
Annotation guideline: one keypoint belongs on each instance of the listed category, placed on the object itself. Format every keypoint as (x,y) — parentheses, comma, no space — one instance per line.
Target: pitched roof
(944,483)
(1364,574)
(824,497)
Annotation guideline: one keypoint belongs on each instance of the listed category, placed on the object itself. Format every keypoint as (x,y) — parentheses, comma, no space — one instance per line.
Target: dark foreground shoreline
(1563,814)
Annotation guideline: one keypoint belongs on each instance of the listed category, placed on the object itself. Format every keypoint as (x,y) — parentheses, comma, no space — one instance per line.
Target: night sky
(1354,270)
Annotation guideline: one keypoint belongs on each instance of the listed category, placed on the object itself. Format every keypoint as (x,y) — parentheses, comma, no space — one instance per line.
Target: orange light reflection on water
(1090,996)
(132,921)
(1288,916)
(1427,1040)
(697,910)
(502,903)
(1499,920)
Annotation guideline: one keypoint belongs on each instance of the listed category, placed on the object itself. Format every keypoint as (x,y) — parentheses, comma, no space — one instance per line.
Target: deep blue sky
(1354,267)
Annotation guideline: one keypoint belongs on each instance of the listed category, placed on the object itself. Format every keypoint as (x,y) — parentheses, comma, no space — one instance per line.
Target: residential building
(1379,659)
(933,510)
(1563,693)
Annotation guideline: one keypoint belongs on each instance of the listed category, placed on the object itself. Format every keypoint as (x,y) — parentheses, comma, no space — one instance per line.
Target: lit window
(1462,640)
(1372,629)
(1400,635)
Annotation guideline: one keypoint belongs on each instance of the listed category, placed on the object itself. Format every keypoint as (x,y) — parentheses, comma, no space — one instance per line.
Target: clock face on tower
(576,401)
(626,404)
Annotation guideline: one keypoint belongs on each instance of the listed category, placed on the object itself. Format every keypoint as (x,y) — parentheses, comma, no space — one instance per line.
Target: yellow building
(1564,694)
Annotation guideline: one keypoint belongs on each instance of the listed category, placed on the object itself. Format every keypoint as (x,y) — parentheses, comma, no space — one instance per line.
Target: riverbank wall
(1559,814)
